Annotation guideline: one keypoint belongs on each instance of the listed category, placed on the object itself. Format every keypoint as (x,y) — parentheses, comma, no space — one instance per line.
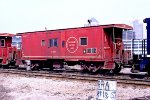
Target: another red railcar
(93,47)
(7,52)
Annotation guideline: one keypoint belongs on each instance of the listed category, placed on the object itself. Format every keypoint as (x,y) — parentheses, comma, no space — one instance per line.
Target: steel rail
(78,76)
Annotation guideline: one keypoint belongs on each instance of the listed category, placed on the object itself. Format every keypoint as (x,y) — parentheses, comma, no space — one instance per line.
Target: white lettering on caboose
(72,44)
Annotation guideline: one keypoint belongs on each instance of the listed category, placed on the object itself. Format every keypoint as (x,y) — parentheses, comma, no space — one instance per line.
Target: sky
(34,15)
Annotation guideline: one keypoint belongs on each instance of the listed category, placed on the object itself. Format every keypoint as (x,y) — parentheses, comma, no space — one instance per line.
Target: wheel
(117,68)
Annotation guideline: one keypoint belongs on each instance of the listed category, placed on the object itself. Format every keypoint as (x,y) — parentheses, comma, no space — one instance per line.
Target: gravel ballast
(14,87)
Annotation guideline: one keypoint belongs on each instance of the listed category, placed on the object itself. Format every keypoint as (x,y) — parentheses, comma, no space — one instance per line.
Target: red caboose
(7,52)
(93,47)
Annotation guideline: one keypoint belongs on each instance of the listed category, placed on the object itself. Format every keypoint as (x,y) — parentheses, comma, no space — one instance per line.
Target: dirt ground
(14,87)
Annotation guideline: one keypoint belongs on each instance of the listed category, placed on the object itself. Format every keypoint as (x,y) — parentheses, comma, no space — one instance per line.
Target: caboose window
(43,42)
(63,43)
(53,42)
(2,42)
(89,50)
(50,43)
(83,41)
(93,50)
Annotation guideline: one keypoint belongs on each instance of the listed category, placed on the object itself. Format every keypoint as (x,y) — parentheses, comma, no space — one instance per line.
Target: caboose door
(108,49)
(107,46)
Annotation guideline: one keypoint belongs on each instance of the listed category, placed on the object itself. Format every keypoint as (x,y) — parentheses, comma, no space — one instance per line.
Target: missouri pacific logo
(72,44)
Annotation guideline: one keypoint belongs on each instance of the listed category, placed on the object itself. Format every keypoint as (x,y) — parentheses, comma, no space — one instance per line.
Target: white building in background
(133,40)
(135,46)
(138,29)
(128,35)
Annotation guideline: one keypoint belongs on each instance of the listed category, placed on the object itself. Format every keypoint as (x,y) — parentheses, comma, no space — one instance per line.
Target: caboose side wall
(68,45)
(71,37)
(89,51)
(34,46)
(70,48)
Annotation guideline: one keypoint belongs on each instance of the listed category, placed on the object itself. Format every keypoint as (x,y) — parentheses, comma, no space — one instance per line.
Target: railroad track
(123,79)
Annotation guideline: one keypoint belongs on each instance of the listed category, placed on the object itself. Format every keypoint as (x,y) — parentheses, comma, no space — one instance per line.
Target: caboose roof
(6,34)
(122,26)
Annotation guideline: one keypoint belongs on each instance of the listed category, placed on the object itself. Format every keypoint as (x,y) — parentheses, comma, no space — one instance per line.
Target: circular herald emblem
(72,44)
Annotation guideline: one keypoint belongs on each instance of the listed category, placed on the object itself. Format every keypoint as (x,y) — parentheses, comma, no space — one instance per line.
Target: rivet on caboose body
(93,47)
(7,52)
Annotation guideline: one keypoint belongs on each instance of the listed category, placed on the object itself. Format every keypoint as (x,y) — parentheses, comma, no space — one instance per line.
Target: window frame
(53,42)
(91,50)
(86,41)
(1,42)
(43,43)
(63,44)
